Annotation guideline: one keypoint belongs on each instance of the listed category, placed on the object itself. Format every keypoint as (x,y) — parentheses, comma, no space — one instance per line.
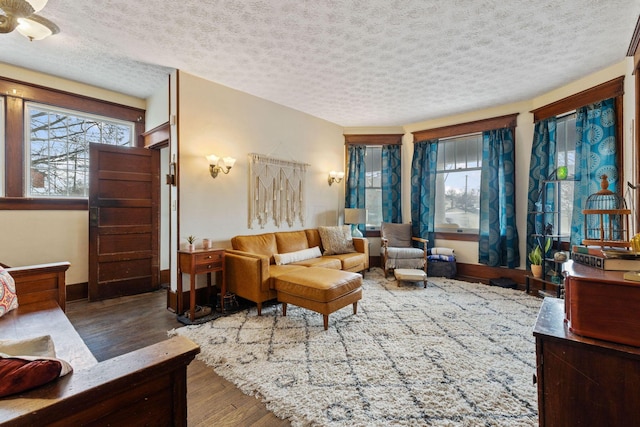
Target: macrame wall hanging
(276,191)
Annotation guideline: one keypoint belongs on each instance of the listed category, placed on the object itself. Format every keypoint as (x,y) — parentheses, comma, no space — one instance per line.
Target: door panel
(123,221)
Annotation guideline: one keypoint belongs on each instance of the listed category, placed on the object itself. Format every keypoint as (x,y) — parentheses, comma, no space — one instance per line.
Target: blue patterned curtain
(355,184)
(391,184)
(423,189)
(498,231)
(595,156)
(543,159)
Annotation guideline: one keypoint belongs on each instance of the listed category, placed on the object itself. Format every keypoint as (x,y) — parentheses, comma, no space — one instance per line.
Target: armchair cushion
(397,235)
(404,253)
(336,240)
(8,297)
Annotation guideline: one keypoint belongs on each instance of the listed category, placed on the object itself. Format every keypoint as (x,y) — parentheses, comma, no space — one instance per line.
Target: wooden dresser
(583,381)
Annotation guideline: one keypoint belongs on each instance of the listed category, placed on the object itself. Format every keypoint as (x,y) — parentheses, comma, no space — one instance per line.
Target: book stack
(618,259)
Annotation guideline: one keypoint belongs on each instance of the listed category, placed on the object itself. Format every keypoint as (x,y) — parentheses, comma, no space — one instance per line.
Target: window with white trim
(57,148)
(458,184)
(373,186)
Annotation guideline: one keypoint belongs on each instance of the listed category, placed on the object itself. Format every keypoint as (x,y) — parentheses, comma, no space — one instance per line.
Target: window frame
(371,139)
(507,121)
(15,94)
(31,106)
(442,142)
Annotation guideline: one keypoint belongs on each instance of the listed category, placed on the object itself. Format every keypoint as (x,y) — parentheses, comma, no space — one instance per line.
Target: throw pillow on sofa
(8,297)
(336,240)
(301,255)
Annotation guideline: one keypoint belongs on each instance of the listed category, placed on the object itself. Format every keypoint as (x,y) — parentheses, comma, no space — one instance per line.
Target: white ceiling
(351,62)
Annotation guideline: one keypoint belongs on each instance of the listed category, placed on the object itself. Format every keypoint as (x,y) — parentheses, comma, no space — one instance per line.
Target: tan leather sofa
(250,268)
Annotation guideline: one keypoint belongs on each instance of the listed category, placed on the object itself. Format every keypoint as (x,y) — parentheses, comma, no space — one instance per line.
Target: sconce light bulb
(229,162)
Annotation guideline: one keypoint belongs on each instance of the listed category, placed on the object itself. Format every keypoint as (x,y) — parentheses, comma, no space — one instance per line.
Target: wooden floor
(120,325)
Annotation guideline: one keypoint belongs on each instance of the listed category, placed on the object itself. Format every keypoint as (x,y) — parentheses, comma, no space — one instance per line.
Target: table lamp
(355,217)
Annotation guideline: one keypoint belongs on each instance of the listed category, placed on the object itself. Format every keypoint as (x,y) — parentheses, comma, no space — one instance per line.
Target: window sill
(23,204)
(466,237)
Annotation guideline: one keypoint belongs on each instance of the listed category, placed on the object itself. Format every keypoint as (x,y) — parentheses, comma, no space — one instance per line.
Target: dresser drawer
(209,257)
(211,266)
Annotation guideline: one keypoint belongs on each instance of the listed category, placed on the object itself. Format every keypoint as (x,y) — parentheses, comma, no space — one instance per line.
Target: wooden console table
(583,381)
(199,261)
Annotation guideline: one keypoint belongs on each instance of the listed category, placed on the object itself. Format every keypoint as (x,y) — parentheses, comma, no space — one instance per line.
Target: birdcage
(606,218)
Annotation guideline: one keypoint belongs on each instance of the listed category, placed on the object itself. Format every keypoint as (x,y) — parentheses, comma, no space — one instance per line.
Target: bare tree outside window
(458,184)
(58,149)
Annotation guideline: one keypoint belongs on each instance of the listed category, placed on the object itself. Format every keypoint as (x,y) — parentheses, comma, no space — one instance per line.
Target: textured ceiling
(352,62)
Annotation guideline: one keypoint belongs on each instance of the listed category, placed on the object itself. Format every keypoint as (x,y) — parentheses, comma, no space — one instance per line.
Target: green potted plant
(192,242)
(536,258)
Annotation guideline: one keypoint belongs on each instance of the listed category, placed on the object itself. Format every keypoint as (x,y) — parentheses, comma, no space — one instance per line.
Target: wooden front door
(124,189)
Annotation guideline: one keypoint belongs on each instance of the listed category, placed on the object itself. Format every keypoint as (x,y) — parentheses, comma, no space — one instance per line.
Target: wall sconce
(335,177)
(217,165)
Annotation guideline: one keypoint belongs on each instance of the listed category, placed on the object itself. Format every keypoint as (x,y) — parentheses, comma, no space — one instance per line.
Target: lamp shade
(355,216)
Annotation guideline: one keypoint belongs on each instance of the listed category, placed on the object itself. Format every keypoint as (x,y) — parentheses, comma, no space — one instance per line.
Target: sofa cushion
(291,241)
(397,235)
(313,238)
(261,244)
(351,260)
(276,271)
(301,255)
(336,240)
(324,262)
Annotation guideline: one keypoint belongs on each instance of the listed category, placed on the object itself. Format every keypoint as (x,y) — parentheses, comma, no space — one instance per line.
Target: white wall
(157,106)
(223,121)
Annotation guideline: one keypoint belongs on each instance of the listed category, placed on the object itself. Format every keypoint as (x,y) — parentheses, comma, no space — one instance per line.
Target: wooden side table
(199,261)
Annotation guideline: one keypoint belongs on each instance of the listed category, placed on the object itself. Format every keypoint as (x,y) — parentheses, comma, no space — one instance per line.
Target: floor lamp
(355,217)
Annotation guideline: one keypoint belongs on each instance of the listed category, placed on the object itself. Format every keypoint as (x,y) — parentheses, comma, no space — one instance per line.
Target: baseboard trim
(483,273)
(77,291)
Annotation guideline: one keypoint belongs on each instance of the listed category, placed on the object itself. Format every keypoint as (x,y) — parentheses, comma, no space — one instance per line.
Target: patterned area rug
(453,354)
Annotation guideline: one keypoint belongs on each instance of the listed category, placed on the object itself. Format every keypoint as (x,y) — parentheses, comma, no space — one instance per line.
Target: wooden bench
(143,387)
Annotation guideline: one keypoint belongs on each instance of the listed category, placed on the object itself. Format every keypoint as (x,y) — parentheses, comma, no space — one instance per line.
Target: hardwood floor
(120,325)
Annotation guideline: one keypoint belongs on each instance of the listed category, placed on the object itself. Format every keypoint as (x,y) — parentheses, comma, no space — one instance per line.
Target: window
(57,148)
(378,148)
(565,156)
(373,186)
(37,175)
(458,184)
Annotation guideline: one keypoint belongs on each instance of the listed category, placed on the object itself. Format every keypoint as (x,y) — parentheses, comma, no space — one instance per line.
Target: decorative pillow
(301,255)
(8,297)
(336,240)
(441,251)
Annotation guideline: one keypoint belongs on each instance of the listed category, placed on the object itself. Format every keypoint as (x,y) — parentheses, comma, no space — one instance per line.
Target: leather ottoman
(322,290)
